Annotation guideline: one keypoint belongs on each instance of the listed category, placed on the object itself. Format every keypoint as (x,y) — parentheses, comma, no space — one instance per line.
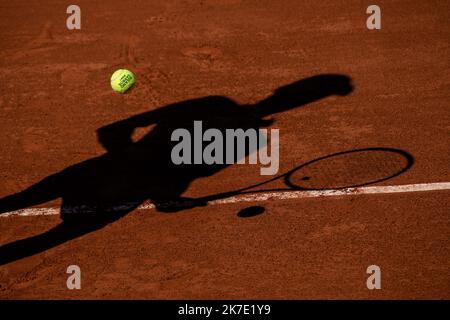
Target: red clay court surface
(55,94)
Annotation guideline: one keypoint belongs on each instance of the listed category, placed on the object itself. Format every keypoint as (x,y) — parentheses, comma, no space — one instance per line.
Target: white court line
(280,195)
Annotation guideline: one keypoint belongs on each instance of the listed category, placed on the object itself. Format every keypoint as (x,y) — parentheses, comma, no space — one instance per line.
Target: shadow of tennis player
(103,189)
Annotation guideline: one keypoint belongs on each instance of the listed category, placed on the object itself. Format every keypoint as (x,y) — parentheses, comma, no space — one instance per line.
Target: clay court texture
(363,114)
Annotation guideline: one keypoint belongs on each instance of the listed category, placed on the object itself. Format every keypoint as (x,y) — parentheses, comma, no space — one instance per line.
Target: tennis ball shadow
(251,211)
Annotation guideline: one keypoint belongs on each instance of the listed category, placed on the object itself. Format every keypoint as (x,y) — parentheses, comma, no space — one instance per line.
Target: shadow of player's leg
(71,228)
(45,190)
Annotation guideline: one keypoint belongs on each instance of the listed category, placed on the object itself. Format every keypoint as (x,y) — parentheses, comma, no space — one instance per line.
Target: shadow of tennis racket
(342,170)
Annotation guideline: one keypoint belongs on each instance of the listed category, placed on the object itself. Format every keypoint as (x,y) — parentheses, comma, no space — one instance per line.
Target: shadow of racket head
(349,169)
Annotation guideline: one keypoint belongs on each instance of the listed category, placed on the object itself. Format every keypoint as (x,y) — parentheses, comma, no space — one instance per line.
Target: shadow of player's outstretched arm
(303,92)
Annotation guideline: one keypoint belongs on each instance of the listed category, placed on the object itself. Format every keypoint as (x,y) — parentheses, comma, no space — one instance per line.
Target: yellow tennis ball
(122,80)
